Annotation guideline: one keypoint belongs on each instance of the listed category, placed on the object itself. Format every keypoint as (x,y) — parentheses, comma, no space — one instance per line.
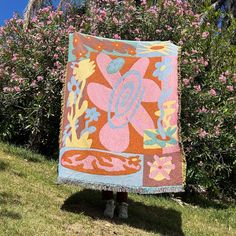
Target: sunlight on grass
(31,203)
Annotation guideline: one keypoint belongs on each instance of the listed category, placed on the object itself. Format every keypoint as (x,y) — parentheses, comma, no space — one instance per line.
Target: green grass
(31,203)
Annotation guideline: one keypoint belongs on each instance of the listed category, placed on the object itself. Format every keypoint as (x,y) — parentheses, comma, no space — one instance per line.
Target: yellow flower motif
(83,69)
(82,142)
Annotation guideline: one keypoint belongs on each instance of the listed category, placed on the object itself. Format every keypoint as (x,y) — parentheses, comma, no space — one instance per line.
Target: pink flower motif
(122,101)
(161,166)
(212,92)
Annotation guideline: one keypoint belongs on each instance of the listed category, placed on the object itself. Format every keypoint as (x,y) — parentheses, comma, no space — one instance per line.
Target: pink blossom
(103,13)
(15,57)
(17,89)
(137,39)
(39,78)
(205,34)
(227,73)
(70,29)
(116,36)
(169,27)
(217,130)
(230,88)
(55,56)
(6,89)
(203,110)
(234,77)
(212,92)
(222,79)
(202,133)
(34,20)
(197,88)
(186,82)
(19,21)
(200,163)
(36,65)
(205,63)
(115,21)
(57,64)
(181,42)
(33,84)
(143,2)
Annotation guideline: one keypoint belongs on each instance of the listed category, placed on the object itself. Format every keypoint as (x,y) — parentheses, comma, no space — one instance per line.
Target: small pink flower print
(161,167)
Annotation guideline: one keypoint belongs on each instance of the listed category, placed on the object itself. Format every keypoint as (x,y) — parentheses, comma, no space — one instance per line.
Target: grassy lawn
(31,203)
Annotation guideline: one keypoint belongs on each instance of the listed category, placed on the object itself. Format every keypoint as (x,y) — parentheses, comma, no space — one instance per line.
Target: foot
(110,208)
(123,210)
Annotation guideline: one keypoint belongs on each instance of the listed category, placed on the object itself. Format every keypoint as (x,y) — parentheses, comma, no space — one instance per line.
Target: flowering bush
(32,63)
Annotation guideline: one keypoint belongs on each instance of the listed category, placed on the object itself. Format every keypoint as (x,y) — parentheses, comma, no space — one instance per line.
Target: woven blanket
(119,128)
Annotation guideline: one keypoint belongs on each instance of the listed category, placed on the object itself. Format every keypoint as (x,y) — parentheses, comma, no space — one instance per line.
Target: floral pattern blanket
(119,128)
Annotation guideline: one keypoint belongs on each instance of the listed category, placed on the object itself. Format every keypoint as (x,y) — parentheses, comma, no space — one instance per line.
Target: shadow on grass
(150,218)
(10,214)
(9,199)
(3,165)
(200,200)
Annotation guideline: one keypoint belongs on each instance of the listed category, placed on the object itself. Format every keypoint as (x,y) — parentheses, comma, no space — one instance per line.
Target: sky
(8,7)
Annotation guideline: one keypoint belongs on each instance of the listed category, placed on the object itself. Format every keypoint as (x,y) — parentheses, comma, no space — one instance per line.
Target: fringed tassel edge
(119,188)
(63,101)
